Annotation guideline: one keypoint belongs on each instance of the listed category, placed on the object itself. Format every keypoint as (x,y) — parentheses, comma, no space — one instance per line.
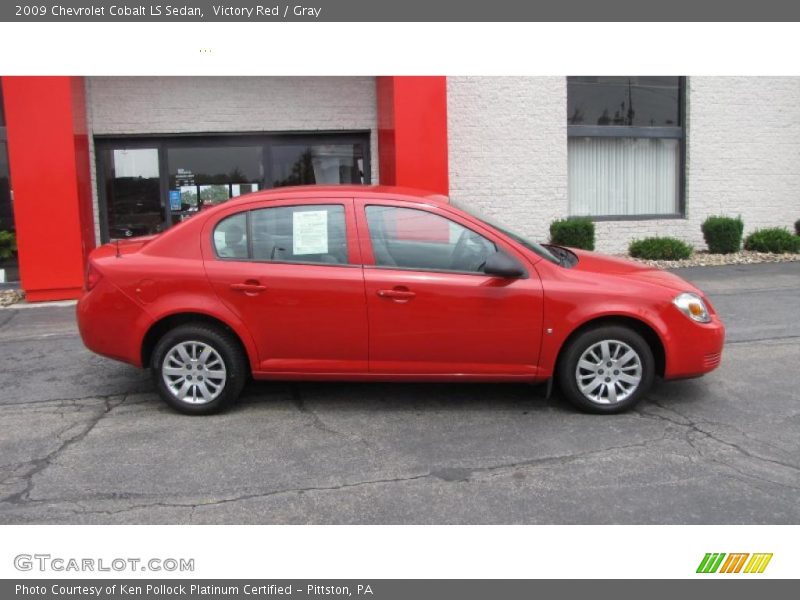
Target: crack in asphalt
(694,426)
(38,337)
(316,420)
(9,319)
(736,293)
(777,338)
(446,474)
(195,505)
(73,402)
(466,473)
(455,474)
(40,464)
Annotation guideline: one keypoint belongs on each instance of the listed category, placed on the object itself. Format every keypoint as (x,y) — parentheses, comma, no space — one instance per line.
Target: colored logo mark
(734,563)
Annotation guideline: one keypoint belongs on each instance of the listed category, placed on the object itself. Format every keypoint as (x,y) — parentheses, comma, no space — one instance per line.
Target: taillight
(93,277)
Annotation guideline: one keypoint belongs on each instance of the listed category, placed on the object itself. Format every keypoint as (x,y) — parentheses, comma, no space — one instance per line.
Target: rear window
(230,237)
(302,234)
(306,234)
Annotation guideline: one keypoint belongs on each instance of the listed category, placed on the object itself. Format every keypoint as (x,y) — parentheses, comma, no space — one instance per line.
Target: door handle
(396,294)
(248,287)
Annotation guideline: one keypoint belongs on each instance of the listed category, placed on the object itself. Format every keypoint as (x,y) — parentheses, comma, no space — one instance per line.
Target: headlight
(692,306)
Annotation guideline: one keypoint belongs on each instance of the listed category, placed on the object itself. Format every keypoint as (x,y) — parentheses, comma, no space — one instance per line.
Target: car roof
(346,191)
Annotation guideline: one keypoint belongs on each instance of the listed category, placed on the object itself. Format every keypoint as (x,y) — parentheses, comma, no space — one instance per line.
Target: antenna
(117,244)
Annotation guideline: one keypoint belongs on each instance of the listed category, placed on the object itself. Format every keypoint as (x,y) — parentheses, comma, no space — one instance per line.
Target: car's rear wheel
(606,369)
(198,369)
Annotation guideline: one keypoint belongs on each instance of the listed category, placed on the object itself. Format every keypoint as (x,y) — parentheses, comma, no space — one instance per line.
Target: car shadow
(421,397)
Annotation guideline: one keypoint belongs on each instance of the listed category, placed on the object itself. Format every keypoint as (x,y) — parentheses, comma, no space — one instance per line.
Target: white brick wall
(744,149)
(508,148)
(508,154)
(507,139)
(165,105)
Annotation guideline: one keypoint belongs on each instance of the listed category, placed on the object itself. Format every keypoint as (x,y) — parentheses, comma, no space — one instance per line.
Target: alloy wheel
(194,372)
(608,372)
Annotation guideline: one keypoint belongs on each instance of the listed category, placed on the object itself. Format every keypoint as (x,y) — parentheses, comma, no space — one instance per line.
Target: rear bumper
(694,349)
(110,323)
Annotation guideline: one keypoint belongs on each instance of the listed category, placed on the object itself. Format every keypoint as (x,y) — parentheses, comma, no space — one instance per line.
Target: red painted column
(412,132)
(48,150)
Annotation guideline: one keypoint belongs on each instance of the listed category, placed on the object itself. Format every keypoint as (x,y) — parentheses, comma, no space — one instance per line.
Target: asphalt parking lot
(86,440)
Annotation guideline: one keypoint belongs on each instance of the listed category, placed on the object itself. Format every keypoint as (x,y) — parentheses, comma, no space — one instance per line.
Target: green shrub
(660,248)
(774,239)
(797,227)
(8,245)
(575,232)
(723,235)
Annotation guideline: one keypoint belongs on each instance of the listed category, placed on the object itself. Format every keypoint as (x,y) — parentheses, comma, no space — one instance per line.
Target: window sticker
(310,232)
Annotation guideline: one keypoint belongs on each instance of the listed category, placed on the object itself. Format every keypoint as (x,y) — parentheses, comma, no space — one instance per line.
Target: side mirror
(500,264)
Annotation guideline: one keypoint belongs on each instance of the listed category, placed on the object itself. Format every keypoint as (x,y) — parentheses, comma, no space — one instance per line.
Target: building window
(149,184)
(626,146)
(308,164)
(202,176)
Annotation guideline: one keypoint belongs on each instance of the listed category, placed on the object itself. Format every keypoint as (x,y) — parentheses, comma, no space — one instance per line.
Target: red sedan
(376,283)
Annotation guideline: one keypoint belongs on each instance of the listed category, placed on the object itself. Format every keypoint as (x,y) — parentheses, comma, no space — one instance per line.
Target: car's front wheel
(198,369)
(606,369)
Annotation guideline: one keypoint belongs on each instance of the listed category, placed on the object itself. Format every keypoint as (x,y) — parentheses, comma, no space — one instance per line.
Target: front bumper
(693,349)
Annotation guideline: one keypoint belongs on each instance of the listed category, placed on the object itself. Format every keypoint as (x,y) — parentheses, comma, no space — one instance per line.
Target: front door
(292,275)
(431,309)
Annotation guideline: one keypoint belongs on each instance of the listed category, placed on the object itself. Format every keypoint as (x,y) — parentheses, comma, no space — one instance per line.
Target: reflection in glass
(207,175)
(132,192)
(240,189)
(211,195)
(624,101)
(301,164)
(188,197)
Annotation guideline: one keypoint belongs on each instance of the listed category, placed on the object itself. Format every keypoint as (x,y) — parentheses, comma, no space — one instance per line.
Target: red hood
(611,265)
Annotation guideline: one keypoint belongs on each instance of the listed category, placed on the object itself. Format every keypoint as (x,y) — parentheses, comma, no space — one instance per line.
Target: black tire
(567,370)
(228,350)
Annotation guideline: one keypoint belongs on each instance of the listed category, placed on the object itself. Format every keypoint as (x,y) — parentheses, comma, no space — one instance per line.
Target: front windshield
(530,245)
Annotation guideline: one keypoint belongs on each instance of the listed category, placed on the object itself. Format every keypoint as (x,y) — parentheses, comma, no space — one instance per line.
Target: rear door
(291,272)
(431,310)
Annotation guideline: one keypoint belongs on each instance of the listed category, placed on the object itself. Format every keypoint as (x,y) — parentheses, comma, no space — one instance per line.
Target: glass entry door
(133,192)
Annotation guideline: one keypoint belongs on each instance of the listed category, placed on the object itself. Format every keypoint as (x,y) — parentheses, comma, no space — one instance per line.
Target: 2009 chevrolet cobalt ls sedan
(376,283)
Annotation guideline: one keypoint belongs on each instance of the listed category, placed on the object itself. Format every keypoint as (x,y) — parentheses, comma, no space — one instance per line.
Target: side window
(230,237)
(416,239)
(305,234)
